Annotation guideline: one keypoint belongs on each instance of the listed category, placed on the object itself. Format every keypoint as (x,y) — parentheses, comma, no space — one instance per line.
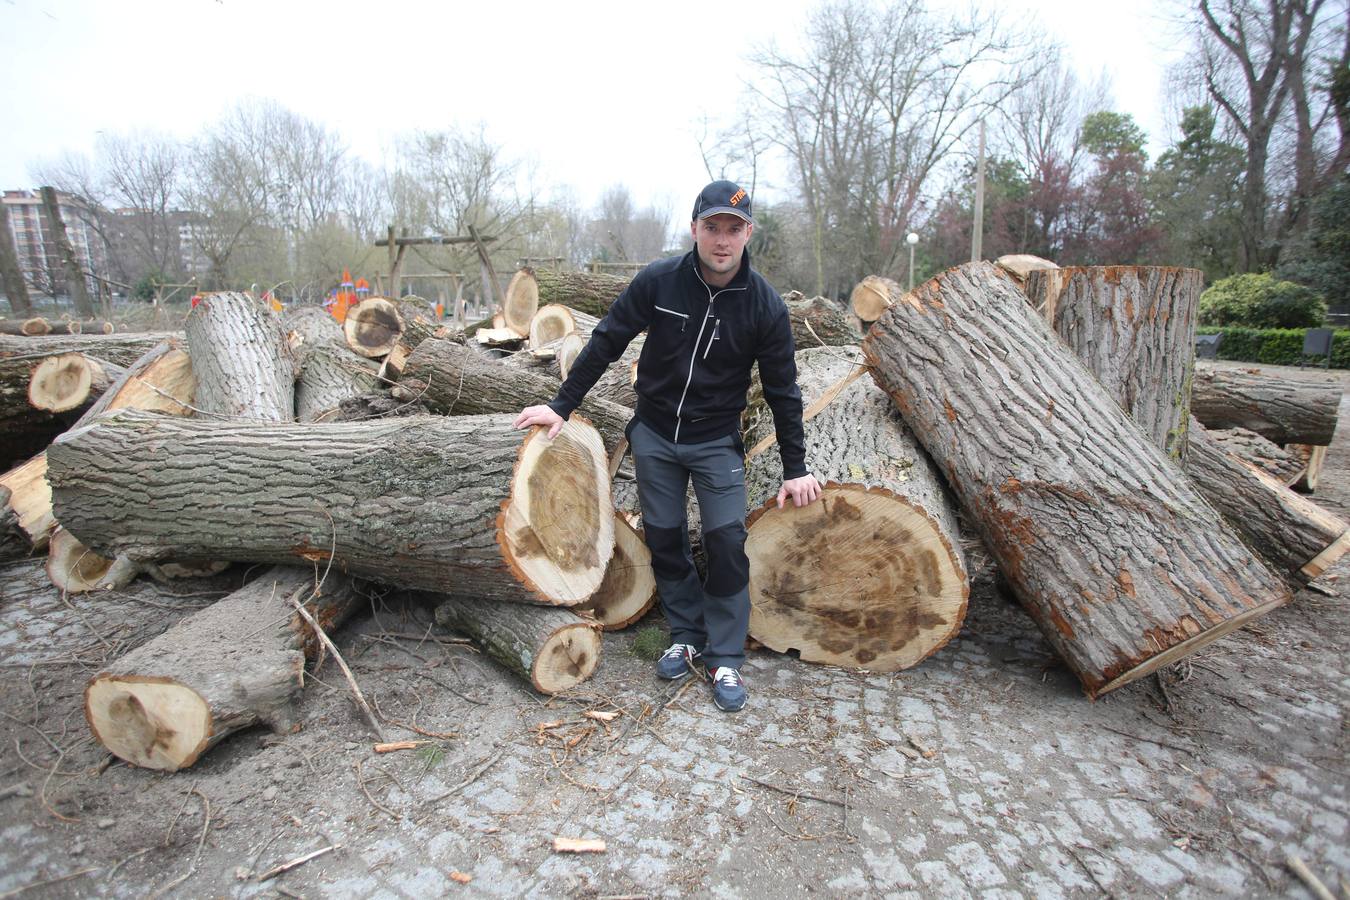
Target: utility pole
(977,230)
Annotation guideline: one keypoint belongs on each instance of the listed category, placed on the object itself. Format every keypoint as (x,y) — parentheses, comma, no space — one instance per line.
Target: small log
(872,296)
(32,326)
(416,330)
(1250,447)
(465,504)
(872,576)
(373,326)
(569,348)
(552,649)
(82,326)
(629,588)
(69,381)
(1103,539)
(819,322)
(1280,409)
(241,360)
(499,337)
(522,302)
(75,569)
(588,292)
(328,371)
(555,321)
(239,662)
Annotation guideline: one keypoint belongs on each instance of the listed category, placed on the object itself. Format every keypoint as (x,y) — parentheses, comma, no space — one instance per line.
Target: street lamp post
(911,239)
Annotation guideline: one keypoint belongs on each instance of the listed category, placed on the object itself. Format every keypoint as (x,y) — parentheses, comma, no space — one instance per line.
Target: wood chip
(578,845)
(461,877)
(393,746)
(602,715)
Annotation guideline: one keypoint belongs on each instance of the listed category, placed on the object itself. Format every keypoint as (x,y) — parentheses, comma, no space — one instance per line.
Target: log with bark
(1134,328)
(453,380)
(1020,265)
(585,291)
(372,328)
(241,360)
(817,321)
(465,504)
(629,588)
(872,576)
(552,649)
(1283,410)
(1103,539)
(70,381)
(14,544)
(237,663)
(1268,456)
(328,372)
(1297,537)
(30,327)
(416,330)
(554,321)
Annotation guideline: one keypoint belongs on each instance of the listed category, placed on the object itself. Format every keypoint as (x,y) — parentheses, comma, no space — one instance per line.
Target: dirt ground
(983,772)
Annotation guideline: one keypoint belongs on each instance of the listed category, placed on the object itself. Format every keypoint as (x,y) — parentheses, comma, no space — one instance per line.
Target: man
(708,317)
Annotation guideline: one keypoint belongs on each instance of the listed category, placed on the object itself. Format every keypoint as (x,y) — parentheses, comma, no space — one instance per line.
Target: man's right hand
(540,415)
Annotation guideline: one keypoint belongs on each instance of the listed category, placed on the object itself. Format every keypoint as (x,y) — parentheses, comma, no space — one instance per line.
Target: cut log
(1280,409)
(465,504)
(75,569)
(32,326)
(237,663)
(1250,447)
(569,348)
(30,501)
(554,321)
(69,381)
(872,576)
(328,371)
(872,296)
(1297,537)
(1020,265)
(552,649)
(453,380)
(240,358)
(629,588)
(817,322)
(588,292)
(1134,328)
(373,326)
(503,338)
(415,331)
(522,302)
(82,326)
(1313,459)
(1103,539)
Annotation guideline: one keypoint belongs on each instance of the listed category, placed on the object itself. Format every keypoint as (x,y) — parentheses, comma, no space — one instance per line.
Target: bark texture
(1278,409)
(328,371)
(1250,447)
(872,576)
(167,702)
(465,504)
(589,292)
(1134,328)
(817,321)
(1103,539)
(241,360)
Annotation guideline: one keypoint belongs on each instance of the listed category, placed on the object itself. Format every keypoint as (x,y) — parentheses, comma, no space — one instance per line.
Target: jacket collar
(739,282)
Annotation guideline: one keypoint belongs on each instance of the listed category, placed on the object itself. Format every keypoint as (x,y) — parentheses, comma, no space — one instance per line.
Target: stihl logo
(737,197)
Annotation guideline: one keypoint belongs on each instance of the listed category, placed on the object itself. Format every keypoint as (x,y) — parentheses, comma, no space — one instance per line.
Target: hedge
(1277,346)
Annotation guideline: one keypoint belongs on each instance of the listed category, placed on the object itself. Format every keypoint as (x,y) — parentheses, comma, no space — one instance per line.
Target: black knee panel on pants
(728,566)
(667,549)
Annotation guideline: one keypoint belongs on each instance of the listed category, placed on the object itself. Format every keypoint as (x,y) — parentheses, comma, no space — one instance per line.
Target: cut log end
(870,298)
(64,382)
(568,657)
(629,588)
(373,326)
(522,302)
(557,529)
(860,579)
(72,567)
(154,723)
(568,351)
(551,323)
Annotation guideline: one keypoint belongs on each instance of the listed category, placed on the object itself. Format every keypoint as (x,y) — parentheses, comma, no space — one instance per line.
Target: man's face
(720,240)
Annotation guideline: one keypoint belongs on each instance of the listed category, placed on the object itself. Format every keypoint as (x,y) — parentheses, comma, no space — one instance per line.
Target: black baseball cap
(723,197)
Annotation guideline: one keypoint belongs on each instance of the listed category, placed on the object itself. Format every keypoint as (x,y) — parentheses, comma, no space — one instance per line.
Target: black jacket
(694,370)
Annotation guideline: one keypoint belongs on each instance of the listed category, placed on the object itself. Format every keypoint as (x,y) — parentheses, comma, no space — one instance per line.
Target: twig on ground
(37,884)
(361,783)
(136,855)
(795,793)
(474,776)
(1091,874)
(351,679)
(1313,883)
(1152,741)
(298,861)
(201,841)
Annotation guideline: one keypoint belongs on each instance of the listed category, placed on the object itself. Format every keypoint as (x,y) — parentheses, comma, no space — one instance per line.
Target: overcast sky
(590,94)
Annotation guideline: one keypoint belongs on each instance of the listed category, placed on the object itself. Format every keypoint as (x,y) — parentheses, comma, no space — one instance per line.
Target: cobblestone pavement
(984,772)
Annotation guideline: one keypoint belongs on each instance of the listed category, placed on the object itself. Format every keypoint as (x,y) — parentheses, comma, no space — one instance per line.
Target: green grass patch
(649,643)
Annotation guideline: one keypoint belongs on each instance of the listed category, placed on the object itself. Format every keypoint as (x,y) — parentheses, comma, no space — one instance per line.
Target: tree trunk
(629,588)
(75,285)
(1279,409)
(239,662)
(1134,328)
(1110,547)
(451,379)
(11,276)
(817,322)
(872,576)
(70,381)
(329,372)
(591,293)
(1297,537)
(415,331)
(1255,450)
(34,326)
(552,649)
(465,504)
(240,358)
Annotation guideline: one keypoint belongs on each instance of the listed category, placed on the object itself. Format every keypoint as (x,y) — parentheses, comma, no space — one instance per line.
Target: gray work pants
(714,616)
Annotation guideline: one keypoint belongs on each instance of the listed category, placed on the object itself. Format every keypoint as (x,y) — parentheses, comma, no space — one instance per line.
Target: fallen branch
(351,679)
(477,773)
(295,863)
(792,792)
(1313,883)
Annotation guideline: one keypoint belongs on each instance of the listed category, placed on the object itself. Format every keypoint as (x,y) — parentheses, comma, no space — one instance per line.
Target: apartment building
(36,246)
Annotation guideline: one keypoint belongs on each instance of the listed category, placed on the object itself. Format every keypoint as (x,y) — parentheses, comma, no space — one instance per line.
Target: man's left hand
(803,491)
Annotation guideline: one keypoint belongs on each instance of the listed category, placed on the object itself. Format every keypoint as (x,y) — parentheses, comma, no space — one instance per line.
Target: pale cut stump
(70,381)
(872,296)
(520,303)
(552,649)
(241,360)
(237,663)
(629,588)
(555,321)
(465,504)
(872,575)
(1134,328)
(328,372)
(1103,539)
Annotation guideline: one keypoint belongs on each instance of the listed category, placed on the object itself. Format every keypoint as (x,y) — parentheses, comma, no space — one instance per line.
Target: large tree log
(818,321)
(1297,537)
(373,327)
(872,576)
(629,588)
(1105,541)
(1255,450)
(328,371)
(465,504)
(1134,328)
(1280,409)
(237,663)
(70,381)
(242,363)
(552,649)
(33,326)
(589,292)
(451,379)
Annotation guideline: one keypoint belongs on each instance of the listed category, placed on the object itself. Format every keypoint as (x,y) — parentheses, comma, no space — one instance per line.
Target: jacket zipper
(712,298)
(683,316)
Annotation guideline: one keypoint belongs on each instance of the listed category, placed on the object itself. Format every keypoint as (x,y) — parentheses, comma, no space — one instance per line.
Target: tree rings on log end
(373,326)
(860,579)
(551,323)
(568,350)
(155,723)
(522,302)
(872,296)
(568,657)
(1178,651)
(556,530)
(61,383)
(629,588)
(72,567)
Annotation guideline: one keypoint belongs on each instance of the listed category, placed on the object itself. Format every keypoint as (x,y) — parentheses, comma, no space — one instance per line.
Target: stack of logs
(1059,429)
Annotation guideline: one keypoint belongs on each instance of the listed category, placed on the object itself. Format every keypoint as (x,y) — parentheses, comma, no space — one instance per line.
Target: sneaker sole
(729,709)
(684,674)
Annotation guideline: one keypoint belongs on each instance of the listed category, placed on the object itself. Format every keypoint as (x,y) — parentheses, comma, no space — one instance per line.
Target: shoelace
(729,677)
(677,650)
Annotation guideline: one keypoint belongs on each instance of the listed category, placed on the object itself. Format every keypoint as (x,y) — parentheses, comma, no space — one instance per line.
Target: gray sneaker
(678,661)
